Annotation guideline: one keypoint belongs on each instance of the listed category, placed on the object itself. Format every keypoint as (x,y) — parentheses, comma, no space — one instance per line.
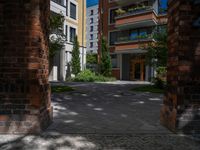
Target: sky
(94,2)
(91,2)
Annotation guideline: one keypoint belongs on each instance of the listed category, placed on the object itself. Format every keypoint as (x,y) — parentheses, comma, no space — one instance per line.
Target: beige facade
(82,22)
(74,12)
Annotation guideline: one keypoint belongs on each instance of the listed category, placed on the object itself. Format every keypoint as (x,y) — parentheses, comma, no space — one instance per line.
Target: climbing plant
(105,64)
(57,37)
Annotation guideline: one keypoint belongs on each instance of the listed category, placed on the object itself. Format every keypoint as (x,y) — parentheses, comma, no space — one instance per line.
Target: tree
(76,67)
(157,56)
(56,38)
(157,51)
(105,64)
(91,58)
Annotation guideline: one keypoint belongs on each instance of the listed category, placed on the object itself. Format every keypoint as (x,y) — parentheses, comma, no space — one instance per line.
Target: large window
(91,28)
(91,37)
(72,34)
(133,35)
(73,11)
(91,45)
(113,38)
(91,20)
(91,12)
(114,60)
(113,14)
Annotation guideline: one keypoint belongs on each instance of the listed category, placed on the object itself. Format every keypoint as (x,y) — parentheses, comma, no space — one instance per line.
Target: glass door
(137,71)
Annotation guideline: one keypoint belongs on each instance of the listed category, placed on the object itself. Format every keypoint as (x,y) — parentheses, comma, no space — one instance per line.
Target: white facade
(61,68)
(92,29)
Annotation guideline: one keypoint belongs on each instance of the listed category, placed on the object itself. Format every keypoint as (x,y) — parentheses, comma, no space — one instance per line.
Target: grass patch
(61,89)
(149,88)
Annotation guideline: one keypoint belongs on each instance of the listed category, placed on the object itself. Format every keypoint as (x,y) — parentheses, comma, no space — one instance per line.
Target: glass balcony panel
(135,35)
(60,2)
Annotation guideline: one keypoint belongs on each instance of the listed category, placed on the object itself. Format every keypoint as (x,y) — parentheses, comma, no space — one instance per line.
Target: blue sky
(94,2)
(91,2)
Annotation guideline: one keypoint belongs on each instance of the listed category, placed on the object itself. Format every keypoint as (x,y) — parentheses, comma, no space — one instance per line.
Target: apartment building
(74,12)
(128,24)
(92,29)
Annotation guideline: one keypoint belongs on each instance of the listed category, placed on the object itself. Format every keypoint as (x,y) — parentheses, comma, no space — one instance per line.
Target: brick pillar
(25,104)
(181,110)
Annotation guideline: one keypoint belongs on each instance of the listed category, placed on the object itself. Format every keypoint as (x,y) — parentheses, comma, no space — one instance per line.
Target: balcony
(132,45)
(59,2)
(128,2)
(135,18)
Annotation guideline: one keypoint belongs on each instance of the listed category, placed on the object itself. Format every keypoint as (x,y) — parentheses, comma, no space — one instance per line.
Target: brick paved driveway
(103,117)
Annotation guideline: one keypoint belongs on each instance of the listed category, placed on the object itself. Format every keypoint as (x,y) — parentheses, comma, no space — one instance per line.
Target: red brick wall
(104,27)
(24,87)
(182,101)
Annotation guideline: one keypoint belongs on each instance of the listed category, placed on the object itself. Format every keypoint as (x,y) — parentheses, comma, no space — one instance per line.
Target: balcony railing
(134,39)
(60,2)
(133,11)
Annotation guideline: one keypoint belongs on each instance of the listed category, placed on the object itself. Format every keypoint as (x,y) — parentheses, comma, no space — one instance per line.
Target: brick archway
(24,88)
(182,101)
(25,104)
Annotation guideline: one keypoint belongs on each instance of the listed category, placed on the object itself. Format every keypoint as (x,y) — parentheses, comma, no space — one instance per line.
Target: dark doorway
(137,71)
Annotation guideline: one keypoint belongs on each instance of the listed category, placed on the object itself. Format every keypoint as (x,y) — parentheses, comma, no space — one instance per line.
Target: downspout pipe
(83,30)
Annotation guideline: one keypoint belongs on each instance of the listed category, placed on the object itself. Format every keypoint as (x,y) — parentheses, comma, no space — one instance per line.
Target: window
(114,61)
(113,14)
(59,30)
(67,8)
(91,20)
(73,11)
(91,12)
(113,38)
(91,37)
(66,32)
(143,32)
(91,28)
(72,34)
(91,45)
(133,35)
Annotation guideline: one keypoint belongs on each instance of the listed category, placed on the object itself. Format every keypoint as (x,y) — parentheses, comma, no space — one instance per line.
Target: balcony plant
(123,39)
(146,36)
(120,12)
(138,8)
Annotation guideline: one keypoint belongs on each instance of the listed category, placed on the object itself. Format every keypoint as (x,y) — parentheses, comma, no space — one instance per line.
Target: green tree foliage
(76,68)
(91,58)
(157,56)
(56,34)
(157,51)
(105,64)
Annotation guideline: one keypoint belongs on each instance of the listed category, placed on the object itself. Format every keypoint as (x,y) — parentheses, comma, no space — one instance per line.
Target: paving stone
(98,120)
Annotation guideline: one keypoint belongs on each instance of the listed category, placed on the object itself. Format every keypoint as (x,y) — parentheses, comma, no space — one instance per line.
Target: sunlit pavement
(103,116)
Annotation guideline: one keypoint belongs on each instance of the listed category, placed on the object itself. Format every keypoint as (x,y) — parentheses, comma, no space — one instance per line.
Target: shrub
(85,76)
(89,76)
(159,83)
(162,73)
